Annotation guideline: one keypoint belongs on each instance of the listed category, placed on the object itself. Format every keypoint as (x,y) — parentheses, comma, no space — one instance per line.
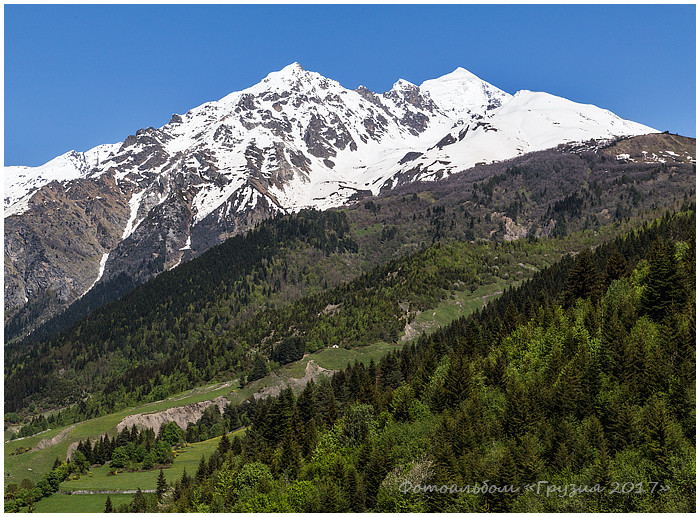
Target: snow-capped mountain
(20,181)
(294,140)
(334,139)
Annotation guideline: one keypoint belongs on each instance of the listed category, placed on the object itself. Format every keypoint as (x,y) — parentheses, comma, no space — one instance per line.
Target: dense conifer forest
(581,379)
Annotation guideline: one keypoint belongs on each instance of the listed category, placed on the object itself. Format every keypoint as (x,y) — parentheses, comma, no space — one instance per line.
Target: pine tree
(138,504)
(616,266)
(374,475)
(329,497)
(88,452)
(353,490)
(124,437)
(458,382)
(528,460)
(291,456)
(108,506)
(305,402)
(161,486)
(236,445)
(511,318)
(185,480)
(308,439)
(259,369)
(663,290)
(224,445)
(202,471)
(583,280)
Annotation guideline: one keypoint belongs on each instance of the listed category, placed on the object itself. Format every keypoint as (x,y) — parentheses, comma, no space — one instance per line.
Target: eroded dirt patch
(313,371)
(48,442)
(181,415)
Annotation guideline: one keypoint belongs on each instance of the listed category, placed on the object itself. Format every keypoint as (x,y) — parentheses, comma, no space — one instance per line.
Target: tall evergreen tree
(583,280)
(224,445)
(662,291)
(138,504)
(259,369)
(161,485)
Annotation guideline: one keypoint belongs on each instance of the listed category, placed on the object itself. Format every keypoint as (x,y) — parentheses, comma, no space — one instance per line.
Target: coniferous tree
(259,369)
(291,456)
(185,480)
(353,490)
(161,485)
(662,291)
(615,267)
(202,471)
(457,382)
(236,446)
(124,437)
(224,445)
(108,506)
(583,279)
(138,504)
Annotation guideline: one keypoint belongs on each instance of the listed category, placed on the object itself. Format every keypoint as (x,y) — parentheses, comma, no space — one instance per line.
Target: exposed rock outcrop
(182,415)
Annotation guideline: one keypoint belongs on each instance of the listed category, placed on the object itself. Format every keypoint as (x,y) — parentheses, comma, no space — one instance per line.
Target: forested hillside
(582,376)
(286,287)
(548,193)
(582,372)
(136,350)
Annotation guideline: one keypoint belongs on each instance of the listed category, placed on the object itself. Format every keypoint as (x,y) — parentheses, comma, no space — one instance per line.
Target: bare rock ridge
(294,140)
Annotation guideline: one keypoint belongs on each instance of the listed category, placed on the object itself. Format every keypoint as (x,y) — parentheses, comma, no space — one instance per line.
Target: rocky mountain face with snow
(294,140)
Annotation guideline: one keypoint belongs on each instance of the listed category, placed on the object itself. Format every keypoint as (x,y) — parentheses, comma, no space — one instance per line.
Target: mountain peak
(291,71)
(292,68)
(403,84)
(461,93)
(294,76)
(294,140)
(461,72)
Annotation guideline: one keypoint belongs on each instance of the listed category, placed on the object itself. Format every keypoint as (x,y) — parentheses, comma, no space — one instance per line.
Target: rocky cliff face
(294,140)
(53,250)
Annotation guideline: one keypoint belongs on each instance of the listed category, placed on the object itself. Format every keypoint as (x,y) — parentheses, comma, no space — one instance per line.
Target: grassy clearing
(33,465)
(98,479)
(459,303)
(328,358)
(94,503)
(192,396)
(297,369)
(338,358)
(426,195)
(187,458)
(369,230)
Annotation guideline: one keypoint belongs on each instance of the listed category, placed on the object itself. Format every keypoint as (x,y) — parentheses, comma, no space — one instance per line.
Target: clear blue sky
(78,75)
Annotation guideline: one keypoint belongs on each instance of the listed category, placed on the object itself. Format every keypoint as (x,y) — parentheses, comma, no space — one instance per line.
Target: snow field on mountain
(302,140)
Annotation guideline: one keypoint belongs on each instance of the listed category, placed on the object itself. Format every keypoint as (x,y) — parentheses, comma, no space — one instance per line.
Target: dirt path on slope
(48,442)
(313,371)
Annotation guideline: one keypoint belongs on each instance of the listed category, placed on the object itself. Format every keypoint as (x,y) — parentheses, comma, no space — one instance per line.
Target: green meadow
(92,503)
(98,479)
(34,464)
